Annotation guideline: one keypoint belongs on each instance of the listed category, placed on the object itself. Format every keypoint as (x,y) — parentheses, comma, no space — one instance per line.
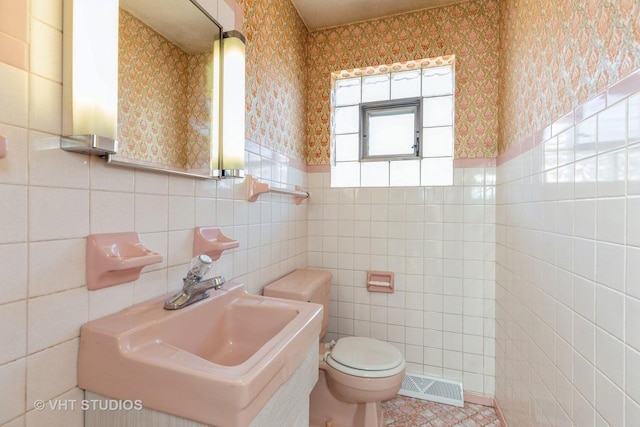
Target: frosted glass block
(374,174)
(437,81)
(391,134)
(437,111)
(405,84)
(345,174)
(405,173)
(375,88)
(348,91)
(347,119)
(437,142)
(436,171)
(347,147)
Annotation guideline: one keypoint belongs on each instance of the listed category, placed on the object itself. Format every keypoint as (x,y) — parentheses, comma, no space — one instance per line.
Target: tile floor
(404,411)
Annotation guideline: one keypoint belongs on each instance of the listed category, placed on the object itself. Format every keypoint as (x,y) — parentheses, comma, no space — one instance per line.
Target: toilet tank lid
(299,285)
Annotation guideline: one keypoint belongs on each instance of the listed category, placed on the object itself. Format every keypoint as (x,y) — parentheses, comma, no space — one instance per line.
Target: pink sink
(217,362)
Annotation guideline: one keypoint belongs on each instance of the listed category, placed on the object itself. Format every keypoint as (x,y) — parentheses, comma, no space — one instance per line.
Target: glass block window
(394,127)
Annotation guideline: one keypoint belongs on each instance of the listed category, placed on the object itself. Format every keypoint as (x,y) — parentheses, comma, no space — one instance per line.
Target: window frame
(394,106)
(434,163)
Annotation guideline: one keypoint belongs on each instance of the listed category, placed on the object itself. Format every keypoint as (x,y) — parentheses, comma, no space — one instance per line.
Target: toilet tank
(304,285)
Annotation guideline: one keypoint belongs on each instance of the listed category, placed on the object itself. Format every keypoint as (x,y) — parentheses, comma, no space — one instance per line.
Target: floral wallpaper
(558,54)
(467,30)
(276,76)
(163,116)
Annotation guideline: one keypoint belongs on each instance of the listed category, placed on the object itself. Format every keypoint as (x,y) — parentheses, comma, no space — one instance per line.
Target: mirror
(168,86)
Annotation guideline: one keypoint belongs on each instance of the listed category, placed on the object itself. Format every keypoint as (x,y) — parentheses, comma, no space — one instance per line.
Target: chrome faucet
(195,287)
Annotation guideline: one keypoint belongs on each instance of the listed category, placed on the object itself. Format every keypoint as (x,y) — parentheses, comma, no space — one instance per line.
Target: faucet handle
(200,266)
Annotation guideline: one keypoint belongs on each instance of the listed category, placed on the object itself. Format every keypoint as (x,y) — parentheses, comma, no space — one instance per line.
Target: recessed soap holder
(211,241)
(114,258)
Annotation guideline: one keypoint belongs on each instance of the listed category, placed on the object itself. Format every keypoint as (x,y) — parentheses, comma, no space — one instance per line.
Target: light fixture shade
(233,105)
(90,70)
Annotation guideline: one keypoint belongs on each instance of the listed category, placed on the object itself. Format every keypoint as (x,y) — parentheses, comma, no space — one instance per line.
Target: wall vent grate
(433,389)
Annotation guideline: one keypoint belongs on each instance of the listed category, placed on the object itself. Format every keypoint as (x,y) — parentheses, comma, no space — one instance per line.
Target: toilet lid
(367,357)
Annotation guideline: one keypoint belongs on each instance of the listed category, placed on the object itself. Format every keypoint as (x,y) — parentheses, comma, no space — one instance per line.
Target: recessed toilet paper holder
(380,281)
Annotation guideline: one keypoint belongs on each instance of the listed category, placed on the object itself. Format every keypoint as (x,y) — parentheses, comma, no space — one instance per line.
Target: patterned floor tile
(402,411)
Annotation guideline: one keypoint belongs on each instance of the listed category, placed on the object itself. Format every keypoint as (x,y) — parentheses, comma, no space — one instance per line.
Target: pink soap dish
(114,258)
(211,241)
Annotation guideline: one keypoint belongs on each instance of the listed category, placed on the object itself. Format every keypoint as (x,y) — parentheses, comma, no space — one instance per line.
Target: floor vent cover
(433,389)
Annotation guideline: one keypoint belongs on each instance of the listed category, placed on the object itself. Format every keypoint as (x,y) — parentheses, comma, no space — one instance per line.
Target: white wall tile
(633,226)
(609,401)
(13,331)
(51,167)
(13,264)
(586,272)
(14,167)
(151,213)
(14,87)
(48,325)
(59,365)
(58,213)
(45,106)
(610,220)
(112,212)
(12,389)
(13,227)
(53,415)
(50,269)
(45,57)
(111,178)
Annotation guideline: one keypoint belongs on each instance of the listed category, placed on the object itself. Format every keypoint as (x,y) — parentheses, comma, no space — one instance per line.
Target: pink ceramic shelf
(211,241)
(115,258)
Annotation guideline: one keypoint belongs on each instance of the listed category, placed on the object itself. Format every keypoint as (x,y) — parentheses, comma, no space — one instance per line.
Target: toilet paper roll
(379,283)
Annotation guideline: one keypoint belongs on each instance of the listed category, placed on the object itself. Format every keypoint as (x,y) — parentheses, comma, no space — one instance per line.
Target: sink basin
(217,362)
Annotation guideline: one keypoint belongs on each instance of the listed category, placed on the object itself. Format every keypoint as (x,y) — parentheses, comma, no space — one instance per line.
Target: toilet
(355,373)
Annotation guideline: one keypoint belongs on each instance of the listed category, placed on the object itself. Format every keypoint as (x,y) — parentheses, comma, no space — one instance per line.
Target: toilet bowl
(356,373)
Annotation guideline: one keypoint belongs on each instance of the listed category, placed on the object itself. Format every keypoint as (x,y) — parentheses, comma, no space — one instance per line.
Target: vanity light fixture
(90,76)
(231,148)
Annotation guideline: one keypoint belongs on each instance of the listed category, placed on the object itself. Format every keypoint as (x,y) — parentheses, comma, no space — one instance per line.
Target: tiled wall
(440,244)
(51,200)
(568,281)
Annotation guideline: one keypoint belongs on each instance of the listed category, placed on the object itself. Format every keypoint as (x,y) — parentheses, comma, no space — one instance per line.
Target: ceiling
(318,14)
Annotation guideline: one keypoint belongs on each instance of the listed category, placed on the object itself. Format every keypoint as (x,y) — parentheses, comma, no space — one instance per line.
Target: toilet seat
(365,357)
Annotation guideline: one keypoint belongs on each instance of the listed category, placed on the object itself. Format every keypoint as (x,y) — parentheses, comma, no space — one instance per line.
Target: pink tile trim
(14,52)
(623,88)
(14,19)
(591,107)
(252,147)
(499,413)
(267,153)
(562,124)
(474,163)
(614,93)
(542,135)
(479,399)
(318,168)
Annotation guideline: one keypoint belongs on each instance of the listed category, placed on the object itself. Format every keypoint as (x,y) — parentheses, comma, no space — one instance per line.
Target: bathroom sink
(217,361)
